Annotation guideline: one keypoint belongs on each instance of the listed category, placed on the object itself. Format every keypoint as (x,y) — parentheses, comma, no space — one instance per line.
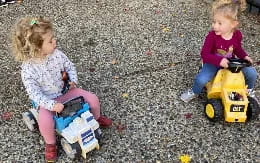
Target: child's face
(49,44)
(222,25)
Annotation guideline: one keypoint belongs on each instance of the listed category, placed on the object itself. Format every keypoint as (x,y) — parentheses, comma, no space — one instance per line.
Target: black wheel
(214,110)
(71,150)
(253,109)
(98,134)
(30,121)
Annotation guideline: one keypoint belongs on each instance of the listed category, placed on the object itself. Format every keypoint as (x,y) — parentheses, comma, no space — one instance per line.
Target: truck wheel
(214,110)
(71,150)
(253,109)
(30,121)
(98,134)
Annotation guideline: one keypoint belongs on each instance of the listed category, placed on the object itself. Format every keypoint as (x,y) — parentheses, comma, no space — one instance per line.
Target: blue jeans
(209,71)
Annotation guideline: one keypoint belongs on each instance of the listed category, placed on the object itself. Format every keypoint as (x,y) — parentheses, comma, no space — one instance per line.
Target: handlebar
(236,64)
(72,106)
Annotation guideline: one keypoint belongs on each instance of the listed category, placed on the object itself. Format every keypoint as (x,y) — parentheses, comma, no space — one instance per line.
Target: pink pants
(46,122)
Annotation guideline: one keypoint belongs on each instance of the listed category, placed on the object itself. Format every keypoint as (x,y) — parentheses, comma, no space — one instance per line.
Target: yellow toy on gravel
(228,96)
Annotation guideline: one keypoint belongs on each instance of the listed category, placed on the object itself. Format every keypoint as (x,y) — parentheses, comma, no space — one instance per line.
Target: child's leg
(46,125)
(89,97)
(250,76)
(207,72)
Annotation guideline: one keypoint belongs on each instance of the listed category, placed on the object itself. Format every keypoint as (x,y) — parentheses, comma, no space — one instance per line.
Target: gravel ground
(137,56)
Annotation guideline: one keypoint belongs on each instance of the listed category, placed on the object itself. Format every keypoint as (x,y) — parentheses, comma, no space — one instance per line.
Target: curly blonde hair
(229,8)
(27,37)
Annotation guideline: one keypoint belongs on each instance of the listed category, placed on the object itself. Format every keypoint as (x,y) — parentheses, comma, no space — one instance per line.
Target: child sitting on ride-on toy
(223,42)
(34,44)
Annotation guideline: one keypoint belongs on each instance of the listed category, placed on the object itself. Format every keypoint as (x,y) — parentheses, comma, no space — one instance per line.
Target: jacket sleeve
(34,90)
(207,51)
(239,51)
(69,68)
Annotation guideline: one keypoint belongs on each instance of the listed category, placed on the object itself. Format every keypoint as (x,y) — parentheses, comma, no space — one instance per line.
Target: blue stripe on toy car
(87,137)
(89,140)
(90,118)
(85,133)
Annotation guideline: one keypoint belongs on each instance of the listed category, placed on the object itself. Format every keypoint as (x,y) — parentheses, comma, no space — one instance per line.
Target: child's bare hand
(58,107)
(72,85)
(224,63)
(248,59)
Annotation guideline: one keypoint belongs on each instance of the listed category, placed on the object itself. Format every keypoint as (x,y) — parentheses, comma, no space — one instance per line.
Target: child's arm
(58,107)
(207,51)
(248,59)
(69,68)
(239,51)
(34,90)
(224,63)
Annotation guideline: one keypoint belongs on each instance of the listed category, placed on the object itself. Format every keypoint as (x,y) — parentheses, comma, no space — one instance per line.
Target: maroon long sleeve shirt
(215,48)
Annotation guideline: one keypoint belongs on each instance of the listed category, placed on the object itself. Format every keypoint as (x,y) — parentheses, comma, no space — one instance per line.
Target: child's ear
(235,23)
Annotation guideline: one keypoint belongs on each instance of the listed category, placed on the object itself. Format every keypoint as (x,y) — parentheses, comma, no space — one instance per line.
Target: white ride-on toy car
(79,130)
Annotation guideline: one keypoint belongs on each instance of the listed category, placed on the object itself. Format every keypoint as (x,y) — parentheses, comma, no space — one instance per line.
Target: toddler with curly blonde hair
(42,68)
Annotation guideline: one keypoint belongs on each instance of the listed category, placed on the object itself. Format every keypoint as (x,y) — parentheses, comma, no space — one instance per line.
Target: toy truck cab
(79,130)
(228,97)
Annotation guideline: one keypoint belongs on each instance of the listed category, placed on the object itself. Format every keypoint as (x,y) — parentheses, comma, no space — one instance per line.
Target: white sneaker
(188,95)
(3,3)
(251,93)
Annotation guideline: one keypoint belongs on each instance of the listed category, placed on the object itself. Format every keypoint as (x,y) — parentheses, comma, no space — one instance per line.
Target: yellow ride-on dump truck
(228,96)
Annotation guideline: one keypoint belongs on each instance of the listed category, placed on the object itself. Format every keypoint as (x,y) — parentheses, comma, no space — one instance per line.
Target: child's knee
(45,118)
(251,73)
(201,80)
(93,101)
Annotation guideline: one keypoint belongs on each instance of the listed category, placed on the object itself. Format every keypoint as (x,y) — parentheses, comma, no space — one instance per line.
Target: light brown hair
(229,8)
(27,37)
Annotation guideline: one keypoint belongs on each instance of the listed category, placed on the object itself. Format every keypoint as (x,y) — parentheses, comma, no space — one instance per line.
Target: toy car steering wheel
(72,106)
(236,64)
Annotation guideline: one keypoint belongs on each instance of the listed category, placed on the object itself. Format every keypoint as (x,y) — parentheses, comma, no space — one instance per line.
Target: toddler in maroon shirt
(223,42)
